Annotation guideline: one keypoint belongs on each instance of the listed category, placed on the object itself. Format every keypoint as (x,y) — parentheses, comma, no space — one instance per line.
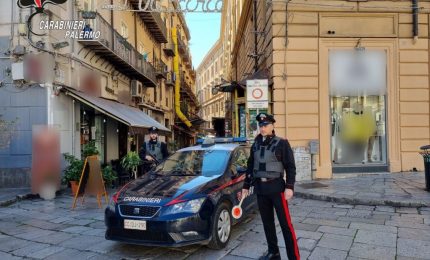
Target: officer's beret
(153,129)
(265,119)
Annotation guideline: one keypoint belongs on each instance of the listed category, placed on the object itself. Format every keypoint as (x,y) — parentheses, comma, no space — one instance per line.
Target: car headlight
(113,200)
(191,206)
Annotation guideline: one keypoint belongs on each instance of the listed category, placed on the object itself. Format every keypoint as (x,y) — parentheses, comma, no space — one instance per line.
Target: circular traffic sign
(257,93)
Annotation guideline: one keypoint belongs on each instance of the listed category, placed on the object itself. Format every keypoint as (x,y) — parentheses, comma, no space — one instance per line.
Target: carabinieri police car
(186,199)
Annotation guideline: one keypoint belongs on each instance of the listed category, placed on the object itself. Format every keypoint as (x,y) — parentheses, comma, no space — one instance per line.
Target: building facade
(347,79)
(210,73)
(187,121)
(107,86)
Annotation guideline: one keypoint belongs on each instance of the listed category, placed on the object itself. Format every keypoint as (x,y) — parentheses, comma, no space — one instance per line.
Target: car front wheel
(221,227)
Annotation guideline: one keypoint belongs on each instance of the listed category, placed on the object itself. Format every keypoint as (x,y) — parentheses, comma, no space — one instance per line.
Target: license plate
(134,224)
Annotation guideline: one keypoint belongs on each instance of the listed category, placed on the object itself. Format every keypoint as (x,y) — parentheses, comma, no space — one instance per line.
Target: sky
(205,30)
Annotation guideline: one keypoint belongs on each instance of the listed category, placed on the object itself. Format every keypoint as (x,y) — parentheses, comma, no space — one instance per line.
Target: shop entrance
(358,135)
(358,89)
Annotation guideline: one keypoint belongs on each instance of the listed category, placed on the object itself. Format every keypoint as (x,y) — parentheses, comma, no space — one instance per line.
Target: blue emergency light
(221,140)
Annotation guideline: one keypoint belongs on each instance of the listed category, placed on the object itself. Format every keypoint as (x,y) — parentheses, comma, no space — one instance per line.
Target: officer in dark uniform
(272,172)
(153,150)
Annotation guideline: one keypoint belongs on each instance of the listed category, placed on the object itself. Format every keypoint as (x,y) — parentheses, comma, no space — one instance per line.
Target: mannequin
(358,126)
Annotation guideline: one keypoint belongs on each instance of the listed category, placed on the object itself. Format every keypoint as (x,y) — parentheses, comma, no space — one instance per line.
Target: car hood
(159,190)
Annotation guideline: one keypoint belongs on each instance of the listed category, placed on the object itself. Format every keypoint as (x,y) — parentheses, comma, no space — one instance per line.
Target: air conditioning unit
(136,88)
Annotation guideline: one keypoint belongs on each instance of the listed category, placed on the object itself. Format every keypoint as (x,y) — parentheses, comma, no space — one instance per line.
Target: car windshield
(196,162)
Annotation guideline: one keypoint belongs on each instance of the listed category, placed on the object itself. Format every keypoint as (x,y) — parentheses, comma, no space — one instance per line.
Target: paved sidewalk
(12,195)
(38,229)
(393,189)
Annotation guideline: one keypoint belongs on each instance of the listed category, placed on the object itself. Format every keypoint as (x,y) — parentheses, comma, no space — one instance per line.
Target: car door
(238,170)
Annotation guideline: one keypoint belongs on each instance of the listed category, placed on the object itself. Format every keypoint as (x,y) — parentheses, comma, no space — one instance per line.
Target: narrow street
(38,229)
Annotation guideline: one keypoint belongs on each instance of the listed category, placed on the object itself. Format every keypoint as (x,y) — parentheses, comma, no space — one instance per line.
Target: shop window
(357,82)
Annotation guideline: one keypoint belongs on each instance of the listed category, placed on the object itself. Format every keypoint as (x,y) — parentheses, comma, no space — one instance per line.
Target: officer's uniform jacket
(271,166)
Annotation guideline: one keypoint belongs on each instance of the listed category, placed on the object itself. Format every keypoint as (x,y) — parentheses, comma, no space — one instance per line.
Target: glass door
(358,133)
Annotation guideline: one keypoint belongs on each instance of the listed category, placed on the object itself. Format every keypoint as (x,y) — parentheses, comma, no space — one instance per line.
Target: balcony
(160,69)
(169,49)
(153,21)
(186,57)
(171,79)
(120,53)
(187,92)
(182,48)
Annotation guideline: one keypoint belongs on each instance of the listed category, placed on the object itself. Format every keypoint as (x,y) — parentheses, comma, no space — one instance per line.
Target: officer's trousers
(266,203)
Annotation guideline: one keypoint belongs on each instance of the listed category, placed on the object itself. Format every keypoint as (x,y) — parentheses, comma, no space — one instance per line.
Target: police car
(186,199)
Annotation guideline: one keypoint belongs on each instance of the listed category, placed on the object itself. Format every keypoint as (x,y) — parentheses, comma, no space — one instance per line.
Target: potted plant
(130,162)
(89,149)
(109,175)
(72,173)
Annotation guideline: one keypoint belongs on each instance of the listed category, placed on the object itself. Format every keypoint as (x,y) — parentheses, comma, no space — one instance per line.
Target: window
(197,162)
(124,30)
(240,159)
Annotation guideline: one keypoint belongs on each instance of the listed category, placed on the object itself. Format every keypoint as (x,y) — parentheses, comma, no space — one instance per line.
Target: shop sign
(357,72)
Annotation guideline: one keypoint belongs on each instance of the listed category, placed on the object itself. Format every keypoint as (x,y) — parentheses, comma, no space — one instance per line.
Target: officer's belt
(267,179)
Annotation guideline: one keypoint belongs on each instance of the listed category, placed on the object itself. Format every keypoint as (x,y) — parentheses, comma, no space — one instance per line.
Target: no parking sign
(256,93)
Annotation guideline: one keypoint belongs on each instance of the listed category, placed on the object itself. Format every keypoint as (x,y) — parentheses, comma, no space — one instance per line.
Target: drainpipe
(178,81)
(415,18)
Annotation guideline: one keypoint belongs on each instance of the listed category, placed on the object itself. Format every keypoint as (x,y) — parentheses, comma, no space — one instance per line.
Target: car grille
(143,236)
(138,211)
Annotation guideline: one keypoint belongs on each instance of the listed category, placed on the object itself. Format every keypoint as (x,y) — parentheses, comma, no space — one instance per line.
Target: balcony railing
(182,48)
(171,79)
(186,90)
(118,51)
(161,69)
(153,21)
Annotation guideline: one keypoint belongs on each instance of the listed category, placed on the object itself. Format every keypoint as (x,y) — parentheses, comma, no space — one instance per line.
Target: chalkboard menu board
(91,181)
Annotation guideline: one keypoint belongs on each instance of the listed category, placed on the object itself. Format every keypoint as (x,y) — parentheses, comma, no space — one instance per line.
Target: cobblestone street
(51,230)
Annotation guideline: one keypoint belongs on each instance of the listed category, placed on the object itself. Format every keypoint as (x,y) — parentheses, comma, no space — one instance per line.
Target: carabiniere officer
(272,172)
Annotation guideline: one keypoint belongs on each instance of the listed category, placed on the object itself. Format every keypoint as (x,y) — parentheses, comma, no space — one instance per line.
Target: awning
(125,114)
